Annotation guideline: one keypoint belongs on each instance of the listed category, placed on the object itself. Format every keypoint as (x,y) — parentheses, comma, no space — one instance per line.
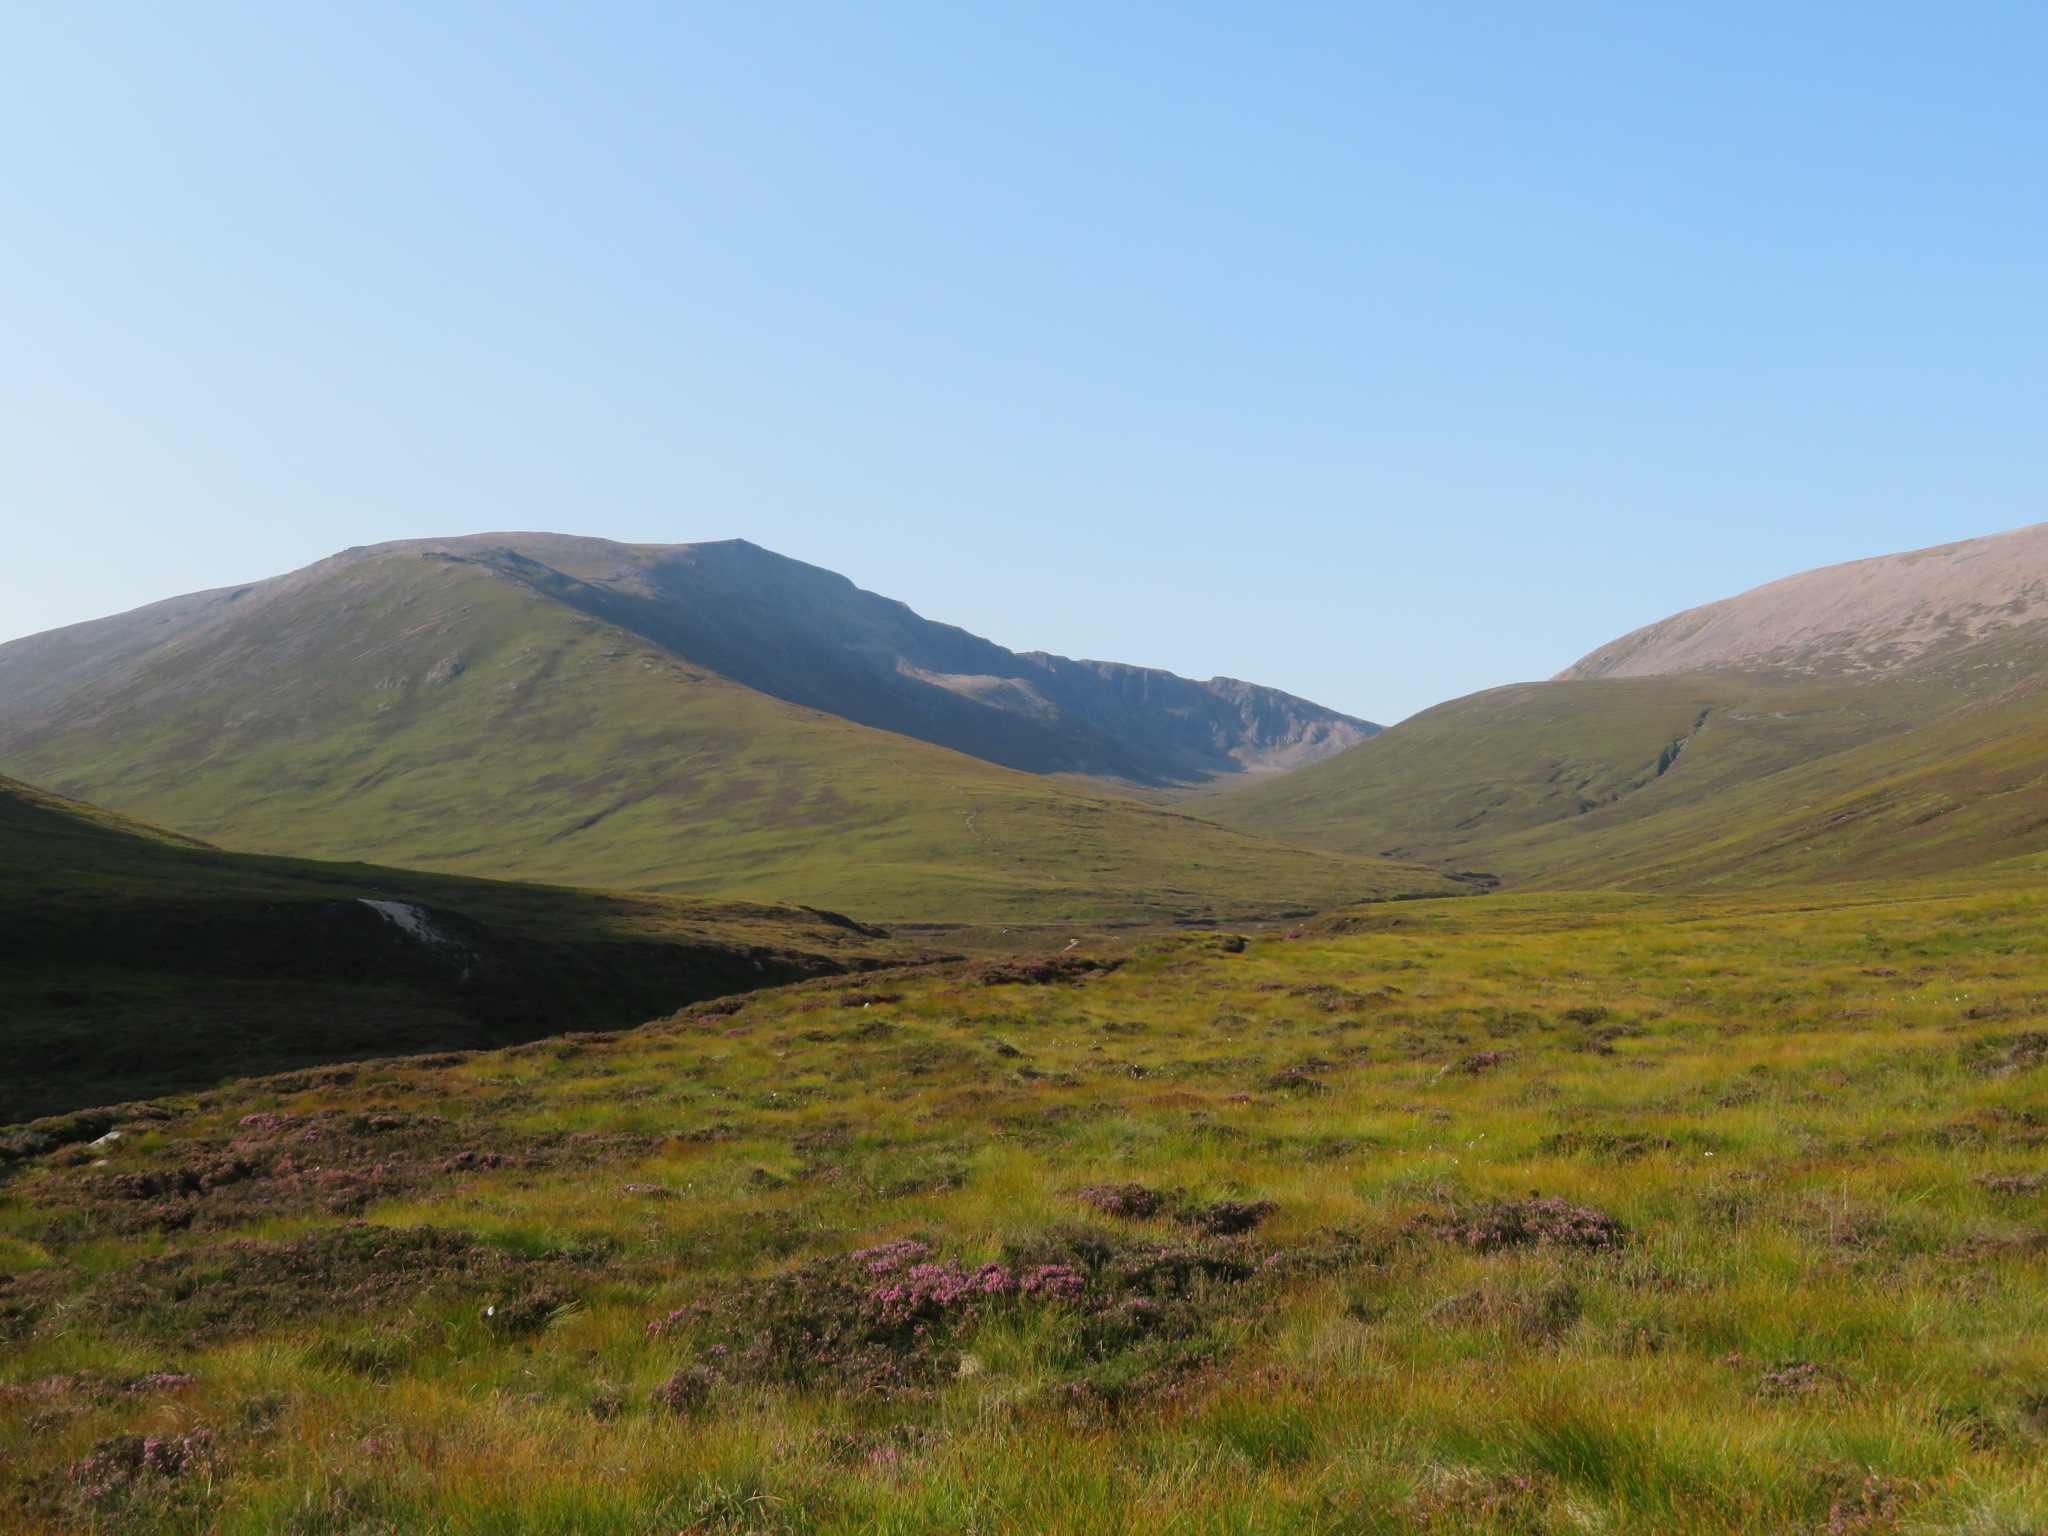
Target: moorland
(1534,1213)
(1603,1105)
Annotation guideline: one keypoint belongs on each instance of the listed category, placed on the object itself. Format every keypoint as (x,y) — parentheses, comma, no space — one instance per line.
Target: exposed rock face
(1862,617)
(790,630)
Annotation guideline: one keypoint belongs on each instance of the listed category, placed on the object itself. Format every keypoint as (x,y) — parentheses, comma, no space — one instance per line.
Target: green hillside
(135,960)
(1531,1216)
(1696,780)
(431,711)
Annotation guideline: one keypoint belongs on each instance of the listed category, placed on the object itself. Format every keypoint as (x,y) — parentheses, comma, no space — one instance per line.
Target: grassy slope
(138,959)
(567,750)
(1827,1312)
(1698,780)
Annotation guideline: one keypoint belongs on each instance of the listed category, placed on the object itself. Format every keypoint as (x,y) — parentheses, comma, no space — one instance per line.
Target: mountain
(1864,616)
(535,707)
(134,959)
(1898,725)
(804,635)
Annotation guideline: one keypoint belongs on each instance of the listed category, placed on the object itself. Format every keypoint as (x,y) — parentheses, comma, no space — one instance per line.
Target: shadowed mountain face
(1866,616)
(562,709)
(1880,719)
(812,637)
(807,636)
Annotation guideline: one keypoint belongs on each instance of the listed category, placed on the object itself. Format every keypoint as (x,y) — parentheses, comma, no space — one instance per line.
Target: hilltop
(466,707)
(1860,722)
(1861,617)
(138,960)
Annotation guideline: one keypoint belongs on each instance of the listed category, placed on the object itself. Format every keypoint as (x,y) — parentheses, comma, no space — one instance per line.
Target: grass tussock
(1541,1214)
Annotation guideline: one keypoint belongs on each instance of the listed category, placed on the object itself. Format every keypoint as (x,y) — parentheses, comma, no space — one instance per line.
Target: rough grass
(1586,1214)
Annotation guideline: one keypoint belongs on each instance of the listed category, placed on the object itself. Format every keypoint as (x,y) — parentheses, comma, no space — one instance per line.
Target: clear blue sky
(1378,351)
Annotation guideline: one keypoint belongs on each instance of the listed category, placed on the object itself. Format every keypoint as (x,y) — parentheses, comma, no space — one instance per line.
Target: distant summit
(1864,616)
(808,636)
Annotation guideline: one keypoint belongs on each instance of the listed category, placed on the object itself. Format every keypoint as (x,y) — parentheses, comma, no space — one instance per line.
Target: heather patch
(137,1468)
(1134,1201)
(1538,1314)
(2000,1055)
(330,1162)
(2014,1183)
(103,1386)
(893,1320)
(1468,1499)
(1532,1223)
(1620,1145)
(1046,970)
(874,1322)
(237,1287)
(1796,1379)
(1215,1218)
(687,1391)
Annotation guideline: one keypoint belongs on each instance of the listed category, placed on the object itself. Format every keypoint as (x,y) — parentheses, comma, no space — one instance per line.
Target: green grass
(1826,1315)
(1695,782)
(436,715)
(139,960)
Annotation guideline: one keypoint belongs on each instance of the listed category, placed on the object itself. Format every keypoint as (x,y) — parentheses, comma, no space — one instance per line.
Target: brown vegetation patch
(1532,1223)
(335,1162)
(239,1287)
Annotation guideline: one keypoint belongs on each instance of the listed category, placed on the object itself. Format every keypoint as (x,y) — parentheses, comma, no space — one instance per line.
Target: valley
(792,1068)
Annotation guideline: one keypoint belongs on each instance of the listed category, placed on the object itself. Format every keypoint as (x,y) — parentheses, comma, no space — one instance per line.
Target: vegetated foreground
(1567,1213)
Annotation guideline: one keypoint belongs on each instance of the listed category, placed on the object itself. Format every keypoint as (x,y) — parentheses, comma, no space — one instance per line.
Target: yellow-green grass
(1821,1319)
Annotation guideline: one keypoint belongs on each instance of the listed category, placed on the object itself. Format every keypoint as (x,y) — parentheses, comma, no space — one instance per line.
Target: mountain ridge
(807,636)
